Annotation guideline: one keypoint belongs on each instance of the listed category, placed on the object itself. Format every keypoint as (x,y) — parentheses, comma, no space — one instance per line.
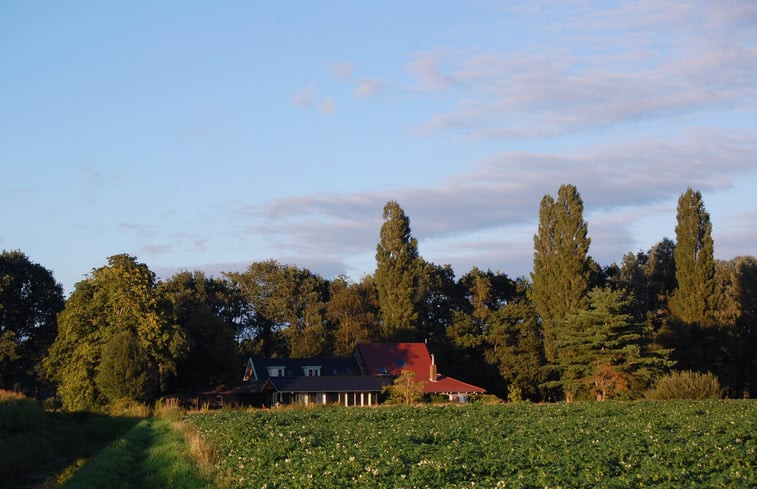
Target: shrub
(129,407)
(685,385)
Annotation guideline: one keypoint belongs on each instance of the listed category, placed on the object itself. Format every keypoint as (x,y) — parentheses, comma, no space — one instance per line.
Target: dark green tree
(733,339)
(561,263)
(206,309)
(396,276)
(287,304)
(515,344)
(119,297)
(438,298)
(474,330)
(602,349)
(692,301)
(30,300)
(661,274)
(126,370)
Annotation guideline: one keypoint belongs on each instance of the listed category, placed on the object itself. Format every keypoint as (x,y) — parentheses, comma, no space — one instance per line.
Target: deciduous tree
(692,301)
(353,308)
(121,297)
(205,309)
(286,303)
(561,262)
(30,300)
(396,275)
(405,389)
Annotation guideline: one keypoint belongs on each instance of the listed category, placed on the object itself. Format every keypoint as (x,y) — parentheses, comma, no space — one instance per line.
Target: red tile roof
(380,359)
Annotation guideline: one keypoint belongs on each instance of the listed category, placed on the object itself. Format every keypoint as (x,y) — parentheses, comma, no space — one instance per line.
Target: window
(275,371)
(310,371)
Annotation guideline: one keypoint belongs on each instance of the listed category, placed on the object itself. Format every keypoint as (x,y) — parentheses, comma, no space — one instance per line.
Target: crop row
(646,444)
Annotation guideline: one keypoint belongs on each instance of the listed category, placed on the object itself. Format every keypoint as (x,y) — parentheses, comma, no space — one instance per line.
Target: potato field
(611,445)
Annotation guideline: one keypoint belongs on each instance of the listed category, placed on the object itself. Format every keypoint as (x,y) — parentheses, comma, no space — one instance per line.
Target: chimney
(432,370)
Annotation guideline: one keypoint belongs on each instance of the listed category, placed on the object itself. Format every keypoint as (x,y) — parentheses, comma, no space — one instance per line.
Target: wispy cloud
(308,98)
(368,87)
(605,68)
(340,69)
(620,183)
(305,98)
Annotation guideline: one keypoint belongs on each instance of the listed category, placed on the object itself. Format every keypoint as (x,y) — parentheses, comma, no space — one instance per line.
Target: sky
(211,135)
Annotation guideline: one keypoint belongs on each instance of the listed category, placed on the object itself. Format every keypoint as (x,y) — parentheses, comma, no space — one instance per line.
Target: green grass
(611,445)
(35,444)
(150,455)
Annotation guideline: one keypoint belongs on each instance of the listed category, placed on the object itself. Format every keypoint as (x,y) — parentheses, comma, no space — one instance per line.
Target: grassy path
(36,445)
(150,455)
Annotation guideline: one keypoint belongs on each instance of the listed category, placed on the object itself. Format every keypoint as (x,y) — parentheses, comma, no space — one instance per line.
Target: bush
(685,385)
(129,407)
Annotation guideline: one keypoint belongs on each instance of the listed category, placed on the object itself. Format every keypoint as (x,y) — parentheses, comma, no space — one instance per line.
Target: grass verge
(150,455)
(35,445)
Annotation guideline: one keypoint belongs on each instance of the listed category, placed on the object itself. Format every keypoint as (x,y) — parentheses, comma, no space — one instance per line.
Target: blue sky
(212,135)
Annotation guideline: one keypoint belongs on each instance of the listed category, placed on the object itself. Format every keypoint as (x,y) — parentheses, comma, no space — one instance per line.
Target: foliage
(210,315)
(30,299)
(686,385)
(733,358)
(692,301)
(561,263)
(125,370)
(437,300)
(641,444)
(601,348)
(405,389)
(396,276)
(515,344)
(288,306)
(117,298)
(354,310)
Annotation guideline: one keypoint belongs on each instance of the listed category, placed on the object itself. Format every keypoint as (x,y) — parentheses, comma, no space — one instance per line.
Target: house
(354,381)
(388,360)
(310,381)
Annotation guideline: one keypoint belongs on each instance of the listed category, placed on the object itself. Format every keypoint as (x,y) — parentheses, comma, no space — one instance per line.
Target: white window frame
(276,371)
(311,370)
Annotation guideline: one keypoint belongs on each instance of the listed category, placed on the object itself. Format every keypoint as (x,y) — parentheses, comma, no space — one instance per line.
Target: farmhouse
(390,359)
(355,381)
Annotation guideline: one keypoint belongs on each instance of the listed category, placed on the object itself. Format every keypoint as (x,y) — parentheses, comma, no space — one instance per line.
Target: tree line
(571,330)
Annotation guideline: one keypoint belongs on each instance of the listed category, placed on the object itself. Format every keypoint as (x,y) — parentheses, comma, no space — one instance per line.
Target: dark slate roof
(328,383)
(293,366)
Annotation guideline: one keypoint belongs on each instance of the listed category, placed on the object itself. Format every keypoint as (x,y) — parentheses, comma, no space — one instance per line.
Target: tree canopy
(396,275)
(115,301)
(561,262)
(30,300)
(692,301)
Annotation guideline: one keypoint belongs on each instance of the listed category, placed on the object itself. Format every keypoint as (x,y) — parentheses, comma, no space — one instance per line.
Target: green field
(643,444)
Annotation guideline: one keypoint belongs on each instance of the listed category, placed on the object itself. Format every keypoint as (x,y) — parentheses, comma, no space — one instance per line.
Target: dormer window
(311,371)
(276,371)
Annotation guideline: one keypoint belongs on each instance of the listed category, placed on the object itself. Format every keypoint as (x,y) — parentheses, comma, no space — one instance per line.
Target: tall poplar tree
(561,262)
(397,263)
(692,301)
